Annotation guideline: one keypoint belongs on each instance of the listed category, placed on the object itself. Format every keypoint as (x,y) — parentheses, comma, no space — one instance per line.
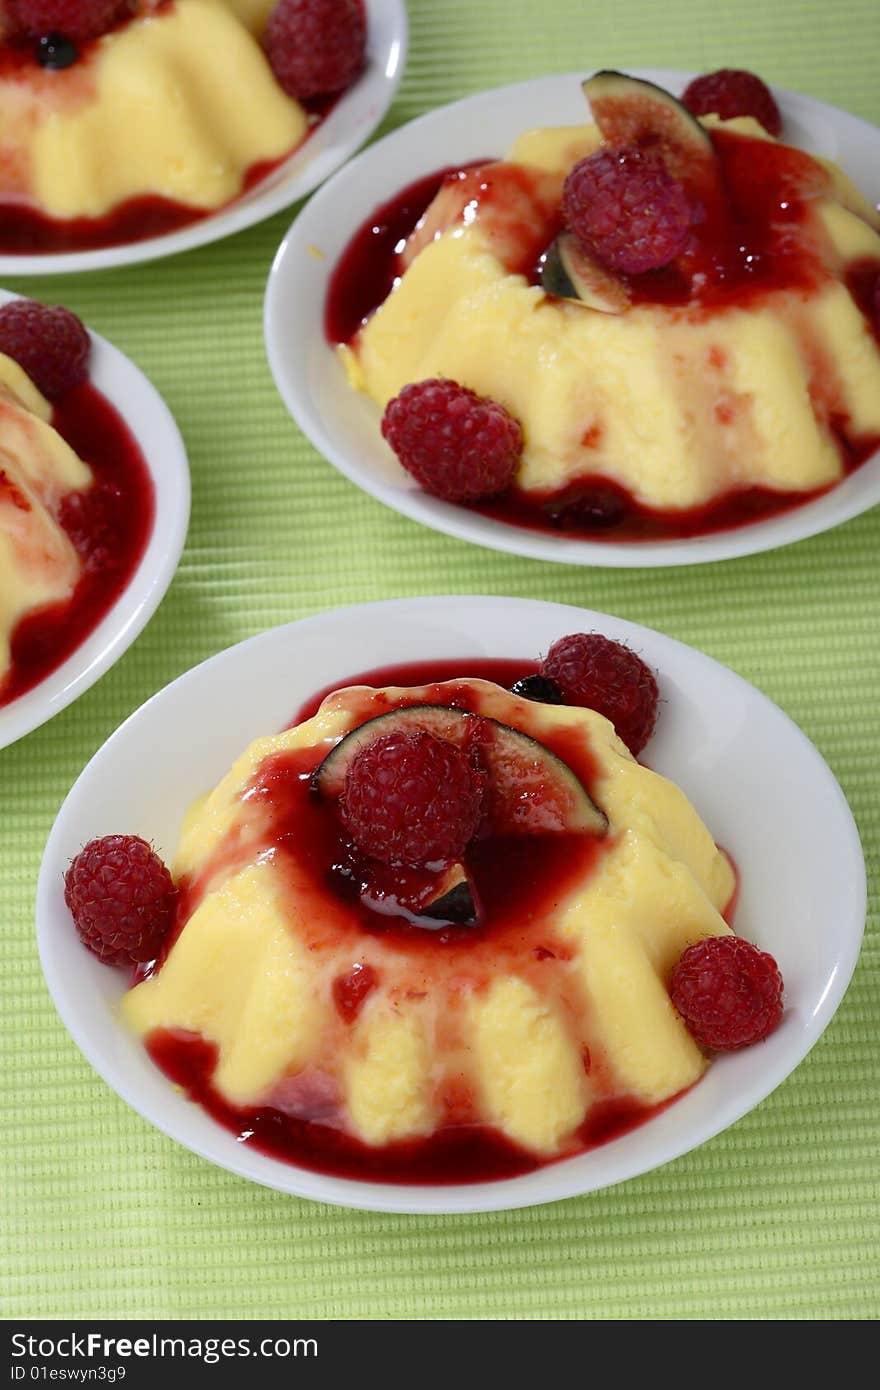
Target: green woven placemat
(775,1218)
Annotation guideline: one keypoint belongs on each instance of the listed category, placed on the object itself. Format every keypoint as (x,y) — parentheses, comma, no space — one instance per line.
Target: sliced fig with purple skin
(453,898)
(630,111)
(435,896)
(570,272)
(530,791)
(441,896)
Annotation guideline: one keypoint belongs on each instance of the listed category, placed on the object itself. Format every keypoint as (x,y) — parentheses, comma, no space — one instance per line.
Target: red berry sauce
(519,884)
(500,670)
(26,232)
(758,242)
(109,525)
(457,1153)
(369,265)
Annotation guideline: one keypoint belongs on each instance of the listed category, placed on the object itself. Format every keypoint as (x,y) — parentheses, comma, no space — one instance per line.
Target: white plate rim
(351,122)
(154,428)
(477,617)
(294,266)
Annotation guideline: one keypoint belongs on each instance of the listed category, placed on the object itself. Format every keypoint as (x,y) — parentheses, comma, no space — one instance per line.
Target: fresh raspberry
(627,209)
(75,19)
(51,344)
(456,444)
(122,898)
(732,92)
(607,676)
(728,992)
(316,47)
(411,798)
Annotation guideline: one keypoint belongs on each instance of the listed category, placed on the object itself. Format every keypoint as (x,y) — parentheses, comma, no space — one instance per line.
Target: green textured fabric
(778,1217)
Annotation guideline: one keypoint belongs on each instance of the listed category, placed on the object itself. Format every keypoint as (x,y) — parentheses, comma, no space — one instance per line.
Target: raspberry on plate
(456,444)
(627,209)
(411,798)
(607,676)
(75,19)
(50,343)
(122,898)
(316,48)
(728,992)
(733,92)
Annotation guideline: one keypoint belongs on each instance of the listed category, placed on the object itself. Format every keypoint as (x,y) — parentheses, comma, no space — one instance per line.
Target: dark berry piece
(122,898)
(732,92)
(627,209)
(56,52)
(411,798)
(593,671)
(316,48)
(590,507)
(456,444)
(728,992)
(50,343)
(539,688)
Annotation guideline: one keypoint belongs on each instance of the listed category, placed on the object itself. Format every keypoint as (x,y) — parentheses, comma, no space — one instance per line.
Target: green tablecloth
(775,1218)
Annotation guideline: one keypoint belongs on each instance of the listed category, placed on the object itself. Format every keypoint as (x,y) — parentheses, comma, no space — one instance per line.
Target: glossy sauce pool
(518,891)
(754,244)
(109,526)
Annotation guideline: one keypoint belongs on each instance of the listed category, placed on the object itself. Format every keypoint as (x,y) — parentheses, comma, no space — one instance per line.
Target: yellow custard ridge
(180,103)
(533,1024)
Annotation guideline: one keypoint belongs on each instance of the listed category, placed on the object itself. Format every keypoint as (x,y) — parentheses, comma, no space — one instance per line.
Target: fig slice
(570,272)
(631,111)
(530,790)
(441,896)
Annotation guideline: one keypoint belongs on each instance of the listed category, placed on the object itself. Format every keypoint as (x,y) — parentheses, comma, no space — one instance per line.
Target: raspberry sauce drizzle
(518,889)
(25,231)
(455,1154)
(110,526)
(759,242)
(369,266)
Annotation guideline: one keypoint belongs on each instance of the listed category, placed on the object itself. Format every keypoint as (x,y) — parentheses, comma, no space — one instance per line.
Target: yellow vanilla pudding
(76,496)
(467,1019)
(39,566)
(167,116)
(739,377)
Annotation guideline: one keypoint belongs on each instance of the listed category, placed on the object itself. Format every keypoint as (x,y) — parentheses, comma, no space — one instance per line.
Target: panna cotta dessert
(436,931)
(655,324)
(120,121)
(76,498)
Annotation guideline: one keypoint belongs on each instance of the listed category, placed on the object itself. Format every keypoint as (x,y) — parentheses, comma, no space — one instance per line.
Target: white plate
(344,425)
(152,424)
(351,122)
(761,786)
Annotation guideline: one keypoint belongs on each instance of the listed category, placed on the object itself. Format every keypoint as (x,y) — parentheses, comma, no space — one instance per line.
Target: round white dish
(153,426)
(802,873)
(352,120)
(344,425)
